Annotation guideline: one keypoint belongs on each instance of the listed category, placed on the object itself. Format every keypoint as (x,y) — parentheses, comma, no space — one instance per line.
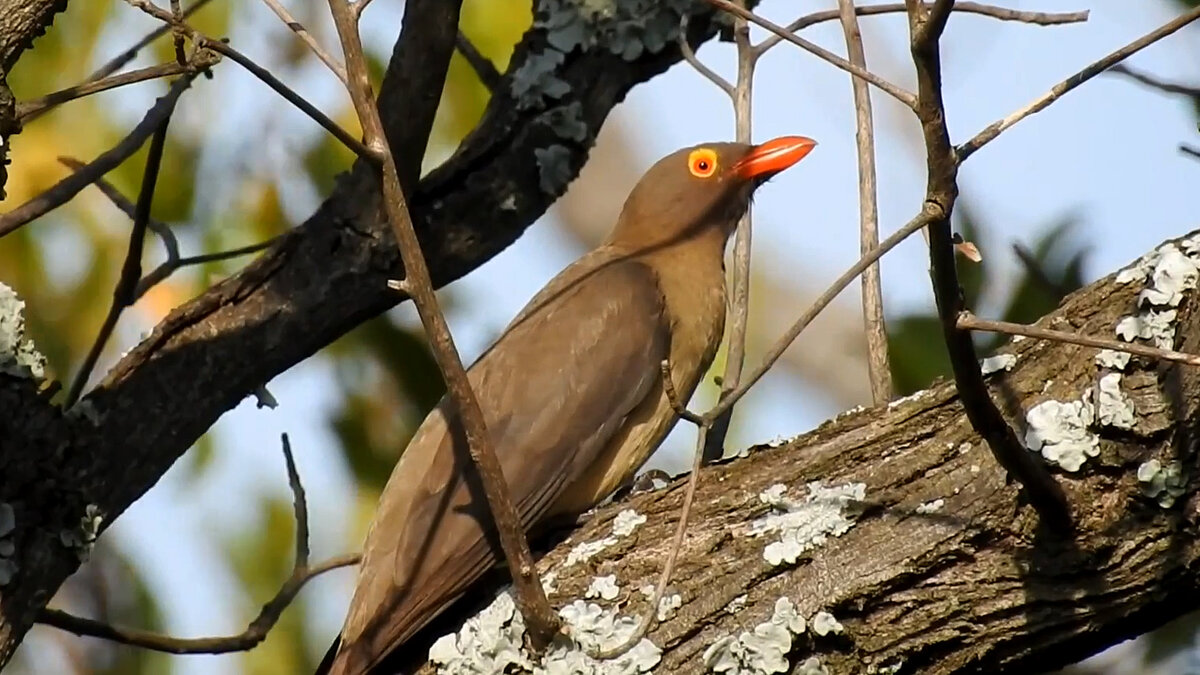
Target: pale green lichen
(492,642)
(81,539)
(554,168)
(805,524)
(604,587)
(18,356)
(762,651)
(566,121)
(1162,482)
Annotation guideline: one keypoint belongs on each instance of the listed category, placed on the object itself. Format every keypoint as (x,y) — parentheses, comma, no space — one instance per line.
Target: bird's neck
(657,244)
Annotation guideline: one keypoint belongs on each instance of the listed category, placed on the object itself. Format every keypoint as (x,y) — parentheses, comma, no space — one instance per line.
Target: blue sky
(1106,152)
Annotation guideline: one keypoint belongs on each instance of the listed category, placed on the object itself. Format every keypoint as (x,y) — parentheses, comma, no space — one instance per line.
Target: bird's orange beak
(773,156)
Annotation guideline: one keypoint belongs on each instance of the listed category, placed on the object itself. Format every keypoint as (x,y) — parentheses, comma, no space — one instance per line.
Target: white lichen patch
(1113,408)
(737,604)
(805,524)
(18,356)
(905,399)
(1061,432)
(824,623)
(994,364)
(1141,268)
(491,642)
(666,604)
(1158,327)
(583,551)
(82,538)
(605,588)
(762,651)
(626,522)
(1162,482)
(1173,273)
(931,506)
(1112,359)
(548,582)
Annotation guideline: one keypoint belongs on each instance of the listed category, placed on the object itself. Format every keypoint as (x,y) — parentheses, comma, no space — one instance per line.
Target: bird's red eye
(702,163)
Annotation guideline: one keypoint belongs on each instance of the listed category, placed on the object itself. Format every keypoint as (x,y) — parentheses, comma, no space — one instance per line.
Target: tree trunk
(942,570)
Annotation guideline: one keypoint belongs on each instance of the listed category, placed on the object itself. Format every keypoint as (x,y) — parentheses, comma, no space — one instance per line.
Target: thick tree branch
(938,571)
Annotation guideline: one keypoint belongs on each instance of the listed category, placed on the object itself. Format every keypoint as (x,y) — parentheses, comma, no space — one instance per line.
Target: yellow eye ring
(702,163)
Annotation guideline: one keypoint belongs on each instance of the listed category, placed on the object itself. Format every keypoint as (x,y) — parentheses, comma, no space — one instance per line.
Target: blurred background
(1067,196)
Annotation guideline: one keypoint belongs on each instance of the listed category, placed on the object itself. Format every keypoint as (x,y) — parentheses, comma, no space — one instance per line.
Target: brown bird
(572,392)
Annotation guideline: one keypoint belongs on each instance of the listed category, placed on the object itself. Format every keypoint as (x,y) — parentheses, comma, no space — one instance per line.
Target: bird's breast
(695,303)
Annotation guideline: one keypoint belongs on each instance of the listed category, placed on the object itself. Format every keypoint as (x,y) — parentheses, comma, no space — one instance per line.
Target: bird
(572,393)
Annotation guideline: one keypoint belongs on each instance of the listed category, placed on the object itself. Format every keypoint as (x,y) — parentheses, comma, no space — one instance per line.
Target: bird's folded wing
(554,389)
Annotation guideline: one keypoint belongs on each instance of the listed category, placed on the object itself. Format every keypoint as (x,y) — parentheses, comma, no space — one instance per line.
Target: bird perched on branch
(572,393)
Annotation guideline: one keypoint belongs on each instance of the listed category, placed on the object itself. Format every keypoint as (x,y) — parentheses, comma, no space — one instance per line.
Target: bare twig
(839,285)
(484,69)
(256,631)
(878,367)
(28,110)
(1057,91)
(177,12)
(968,321)
(677,404)
(298,28)
(261,73)
(1155,82)
(735,354)
(531,598)
(1189,150)
(131,269)
(896,92)
(1001,13)
(689,55)
(62,191)
(926,24)
(292,97)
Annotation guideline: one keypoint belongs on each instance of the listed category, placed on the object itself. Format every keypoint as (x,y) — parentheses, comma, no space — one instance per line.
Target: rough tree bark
(943,571)
(320,281)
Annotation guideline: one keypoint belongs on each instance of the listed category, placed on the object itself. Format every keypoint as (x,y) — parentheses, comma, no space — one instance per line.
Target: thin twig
(878,366)
(114,64)
(178,36)
(484,69)
(174,261)
(1189,150)
(689,55)
(1155,82)
(1057,91)
(905,97)
(61,192)
(131,270)
(298,28)
(735,354)
(256,631)
(1001,13)
(664,577)
(292,97)
(531,598)
(968,321)
(816,308)
(926,24)
(28,110)
(677,404)
(358,7)
(262,74)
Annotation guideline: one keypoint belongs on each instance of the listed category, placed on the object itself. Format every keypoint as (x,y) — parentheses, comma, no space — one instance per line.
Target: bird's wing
(554,389)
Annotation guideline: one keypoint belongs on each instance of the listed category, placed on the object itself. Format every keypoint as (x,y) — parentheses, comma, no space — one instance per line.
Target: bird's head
(701,190)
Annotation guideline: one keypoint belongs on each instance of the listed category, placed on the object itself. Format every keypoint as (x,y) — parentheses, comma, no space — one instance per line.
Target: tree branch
(1001,13)
(484,70)
(878,366)
(925,27)
(1057,91)
(934,545)
(257,629)
(28,110)
(62,192)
